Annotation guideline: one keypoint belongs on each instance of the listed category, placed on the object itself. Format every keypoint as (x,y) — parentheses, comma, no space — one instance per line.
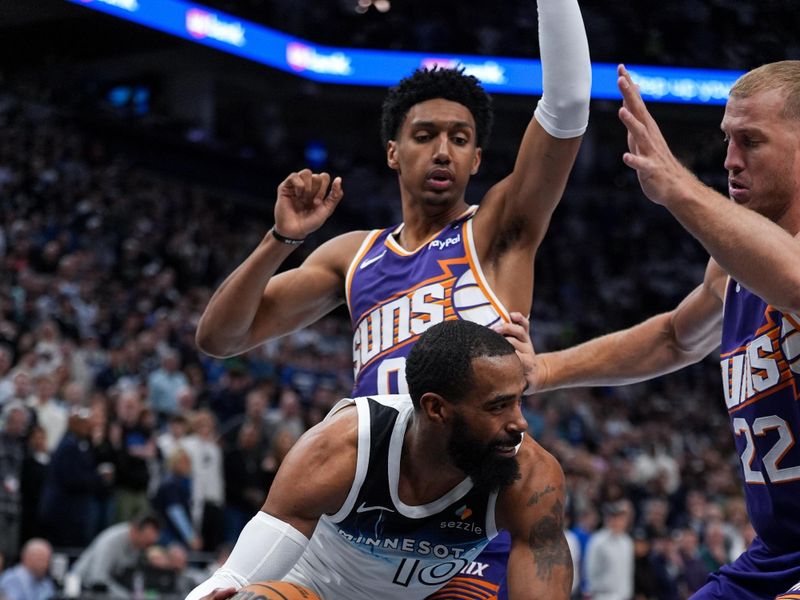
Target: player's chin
(438,201)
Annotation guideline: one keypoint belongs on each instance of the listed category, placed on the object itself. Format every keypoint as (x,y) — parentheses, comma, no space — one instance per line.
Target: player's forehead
(495,376)
(757,111)
(439,112)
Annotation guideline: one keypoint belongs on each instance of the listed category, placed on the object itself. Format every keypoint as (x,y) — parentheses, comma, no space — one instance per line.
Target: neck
(421,220)
(426,472)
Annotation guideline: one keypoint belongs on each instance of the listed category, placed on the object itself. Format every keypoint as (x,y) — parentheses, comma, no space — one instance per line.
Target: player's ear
(476,161)
(391,155)
(436,408)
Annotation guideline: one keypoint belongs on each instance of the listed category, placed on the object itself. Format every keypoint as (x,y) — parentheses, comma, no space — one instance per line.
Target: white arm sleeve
(563,110)
(267,548)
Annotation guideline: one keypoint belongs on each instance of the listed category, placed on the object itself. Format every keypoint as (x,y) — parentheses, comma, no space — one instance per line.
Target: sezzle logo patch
(464,512)
(441,245)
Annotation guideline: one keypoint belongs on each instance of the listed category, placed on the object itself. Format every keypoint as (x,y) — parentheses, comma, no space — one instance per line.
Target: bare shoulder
(337,253)
(317,473)
(538,493)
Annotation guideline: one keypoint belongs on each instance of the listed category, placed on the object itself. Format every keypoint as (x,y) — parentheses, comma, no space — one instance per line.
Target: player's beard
(480,461)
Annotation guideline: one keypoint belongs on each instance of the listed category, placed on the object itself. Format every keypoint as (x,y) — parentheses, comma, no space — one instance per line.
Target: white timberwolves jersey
(378,547)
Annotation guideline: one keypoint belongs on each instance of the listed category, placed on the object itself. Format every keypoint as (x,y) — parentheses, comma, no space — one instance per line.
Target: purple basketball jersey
(760,367)
(395,295)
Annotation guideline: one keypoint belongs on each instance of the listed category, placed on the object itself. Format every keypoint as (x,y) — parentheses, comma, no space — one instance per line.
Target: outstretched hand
(518,333)
(658,170)
(305,201)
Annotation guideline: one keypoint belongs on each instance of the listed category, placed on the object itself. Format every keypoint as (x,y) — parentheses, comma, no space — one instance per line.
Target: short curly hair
(427,84)
(441,360)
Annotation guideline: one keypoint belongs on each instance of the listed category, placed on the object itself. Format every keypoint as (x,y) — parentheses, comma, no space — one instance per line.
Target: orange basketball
(275,590)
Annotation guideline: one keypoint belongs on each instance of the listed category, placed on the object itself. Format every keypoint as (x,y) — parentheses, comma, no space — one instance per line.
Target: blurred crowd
(725,34)
(119,439)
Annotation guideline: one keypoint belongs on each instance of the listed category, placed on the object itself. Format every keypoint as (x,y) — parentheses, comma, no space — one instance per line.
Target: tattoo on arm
(549,546)
(539,495)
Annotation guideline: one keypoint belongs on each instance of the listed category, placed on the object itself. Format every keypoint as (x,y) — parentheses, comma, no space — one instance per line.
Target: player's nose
(518,423)
(442,150)
(734,161)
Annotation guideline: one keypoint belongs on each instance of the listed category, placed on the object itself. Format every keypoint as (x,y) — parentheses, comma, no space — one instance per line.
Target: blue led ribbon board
(355,66)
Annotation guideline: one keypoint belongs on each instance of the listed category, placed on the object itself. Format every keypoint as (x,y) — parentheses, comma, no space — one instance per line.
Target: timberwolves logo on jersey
(395,295)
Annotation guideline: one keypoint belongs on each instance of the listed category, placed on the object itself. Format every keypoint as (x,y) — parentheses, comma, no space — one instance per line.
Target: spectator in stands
(714,549)
(246,480)
(12,453)
(208,481)
(228,400)
(255,413)
(6,384)
(34,474)
(164,384)
(172,502)
(66,508)
(109,561)
(105,457)
(694,573)
(172,437)
(50,412)
(29,579)
(288,414)
(609,555)
(23,386)
(135,447)
(645,583)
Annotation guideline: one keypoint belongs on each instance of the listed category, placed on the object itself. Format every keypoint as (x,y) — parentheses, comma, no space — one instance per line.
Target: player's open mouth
(440,179)
(505,450)
(737,191)
(509,449)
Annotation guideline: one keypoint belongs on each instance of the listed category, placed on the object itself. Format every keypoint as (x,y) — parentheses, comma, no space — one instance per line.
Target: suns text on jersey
(768,361)
(397,321)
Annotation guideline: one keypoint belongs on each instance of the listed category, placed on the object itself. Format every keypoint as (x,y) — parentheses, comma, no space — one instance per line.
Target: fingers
(638,134)
(222,594)
(306,185)
(631,97)
(517,331)
(336,192)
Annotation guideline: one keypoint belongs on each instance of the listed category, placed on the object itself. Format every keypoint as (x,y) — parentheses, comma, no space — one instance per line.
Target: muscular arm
(313,480)
(757,252)
(659,345)
(317,473)
(532,510)
(251,306)
(516,212)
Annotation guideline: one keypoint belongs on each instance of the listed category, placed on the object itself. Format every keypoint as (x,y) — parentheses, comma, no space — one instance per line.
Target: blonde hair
(177,455)
(783,75)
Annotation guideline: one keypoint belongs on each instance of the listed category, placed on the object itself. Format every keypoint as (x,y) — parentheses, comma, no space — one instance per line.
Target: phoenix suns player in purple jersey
(749,299)
(446,260)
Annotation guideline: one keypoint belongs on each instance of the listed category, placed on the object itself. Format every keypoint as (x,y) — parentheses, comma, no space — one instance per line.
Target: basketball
(275,590)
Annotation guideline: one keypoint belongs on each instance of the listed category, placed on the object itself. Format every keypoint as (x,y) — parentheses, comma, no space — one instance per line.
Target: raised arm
(251,306)
(515,213)
(757,252)
(313,480)
(532,510)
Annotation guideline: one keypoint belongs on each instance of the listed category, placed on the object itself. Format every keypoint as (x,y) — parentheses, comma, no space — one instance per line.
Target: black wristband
(286,240)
